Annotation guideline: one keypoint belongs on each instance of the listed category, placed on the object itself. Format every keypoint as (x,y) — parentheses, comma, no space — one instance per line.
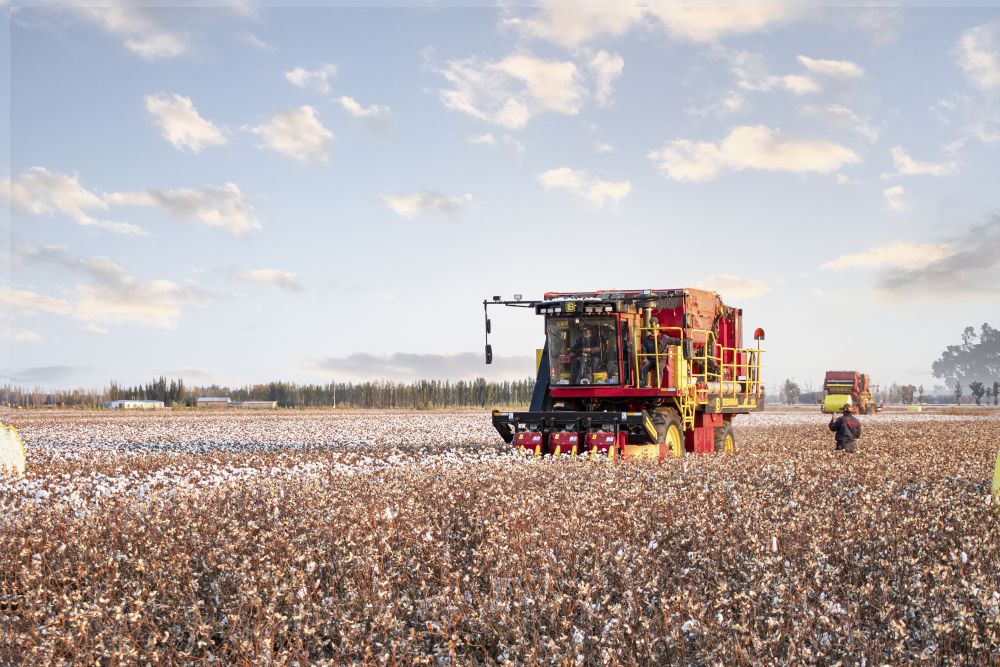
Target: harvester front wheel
(670,432)
(725,440)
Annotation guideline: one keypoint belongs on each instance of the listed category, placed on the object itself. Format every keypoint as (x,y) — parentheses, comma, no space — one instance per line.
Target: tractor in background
(848,388)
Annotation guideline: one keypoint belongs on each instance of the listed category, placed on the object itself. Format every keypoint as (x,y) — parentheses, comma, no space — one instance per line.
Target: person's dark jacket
(847,429)
(651,344)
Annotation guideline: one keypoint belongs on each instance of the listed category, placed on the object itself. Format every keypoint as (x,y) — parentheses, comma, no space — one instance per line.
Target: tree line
(419,394)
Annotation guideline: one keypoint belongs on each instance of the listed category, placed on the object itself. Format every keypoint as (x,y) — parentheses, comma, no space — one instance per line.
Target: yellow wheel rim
(612,452)
(729,446)
(573,451)
(538,451)
(558,450)
(675,441)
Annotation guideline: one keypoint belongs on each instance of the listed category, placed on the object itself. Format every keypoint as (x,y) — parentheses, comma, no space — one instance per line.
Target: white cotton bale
(12,461)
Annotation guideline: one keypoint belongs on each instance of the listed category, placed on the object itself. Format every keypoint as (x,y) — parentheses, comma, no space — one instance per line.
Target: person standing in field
(847,428)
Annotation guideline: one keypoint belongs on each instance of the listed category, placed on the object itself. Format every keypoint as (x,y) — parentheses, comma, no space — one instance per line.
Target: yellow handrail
(747,383)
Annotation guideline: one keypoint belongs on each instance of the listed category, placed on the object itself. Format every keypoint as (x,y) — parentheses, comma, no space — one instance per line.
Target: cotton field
(400,538)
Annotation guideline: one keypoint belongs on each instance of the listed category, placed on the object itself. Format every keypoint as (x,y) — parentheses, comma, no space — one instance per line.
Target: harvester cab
(637,373)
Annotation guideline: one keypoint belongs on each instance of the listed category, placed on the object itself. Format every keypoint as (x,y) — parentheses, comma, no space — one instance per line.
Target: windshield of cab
(582,350)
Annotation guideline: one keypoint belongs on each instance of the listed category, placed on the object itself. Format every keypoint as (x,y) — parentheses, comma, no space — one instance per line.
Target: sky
(237,193)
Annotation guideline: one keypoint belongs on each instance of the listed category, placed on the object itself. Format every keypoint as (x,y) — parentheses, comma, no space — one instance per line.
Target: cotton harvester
(848,388)
(635,374)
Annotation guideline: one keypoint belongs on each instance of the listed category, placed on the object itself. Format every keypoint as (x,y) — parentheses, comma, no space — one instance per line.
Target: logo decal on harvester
(570,307)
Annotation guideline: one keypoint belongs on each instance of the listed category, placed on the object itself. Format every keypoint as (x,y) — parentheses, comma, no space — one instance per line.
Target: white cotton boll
(12,459)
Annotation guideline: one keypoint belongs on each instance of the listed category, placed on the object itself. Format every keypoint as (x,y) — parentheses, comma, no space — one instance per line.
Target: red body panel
(702,438)
(563,442)
(602,441)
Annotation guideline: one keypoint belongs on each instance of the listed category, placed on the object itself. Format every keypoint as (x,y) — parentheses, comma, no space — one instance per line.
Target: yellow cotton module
(12,460)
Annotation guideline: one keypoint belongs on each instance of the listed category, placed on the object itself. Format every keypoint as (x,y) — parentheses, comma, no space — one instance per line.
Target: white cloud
(706,23)
(26,302)
(749,147)
(894,198)
(376,114)
(285,280)
(257,43)
(734,287)
(223,207)
(111,296)
(907,166)
(410,366)
(602,147)
(571,25)
(720,106)
(506,141)
(157,303)
(752,73)
(835,69)
(21,335)
(114,297)
(318,79)
(483,140)
(978,54)
(843,117)
(595,191)
(41,192)
(297,134)
(139,27)
(606,67)
(417,203)
(181,124)
(510,91)
(901,255)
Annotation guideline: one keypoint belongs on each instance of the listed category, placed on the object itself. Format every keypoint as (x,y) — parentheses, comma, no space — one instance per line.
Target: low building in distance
(255,405)
(213,401)
(130,404)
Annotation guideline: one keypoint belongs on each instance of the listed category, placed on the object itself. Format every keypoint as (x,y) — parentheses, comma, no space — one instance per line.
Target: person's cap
(846,408)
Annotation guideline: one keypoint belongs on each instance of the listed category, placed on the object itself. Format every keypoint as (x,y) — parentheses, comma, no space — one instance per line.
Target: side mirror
(489,354)
(489,327)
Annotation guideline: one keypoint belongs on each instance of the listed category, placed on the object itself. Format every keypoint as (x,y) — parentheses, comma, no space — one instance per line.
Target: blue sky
(241,193)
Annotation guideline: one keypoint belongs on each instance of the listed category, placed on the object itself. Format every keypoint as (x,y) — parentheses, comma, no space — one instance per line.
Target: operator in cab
(655,342)
(585,355)
(847,430)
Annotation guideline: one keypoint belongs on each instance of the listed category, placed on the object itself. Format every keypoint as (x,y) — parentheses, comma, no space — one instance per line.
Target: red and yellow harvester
(848,388)
(589,396)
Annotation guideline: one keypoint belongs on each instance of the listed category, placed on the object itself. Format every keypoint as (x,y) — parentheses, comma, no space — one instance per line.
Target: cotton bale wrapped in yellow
(12,461)
(834,403)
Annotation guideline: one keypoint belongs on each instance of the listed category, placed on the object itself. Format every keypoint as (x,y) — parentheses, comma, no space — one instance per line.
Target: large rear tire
(670,432)
(725,441)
